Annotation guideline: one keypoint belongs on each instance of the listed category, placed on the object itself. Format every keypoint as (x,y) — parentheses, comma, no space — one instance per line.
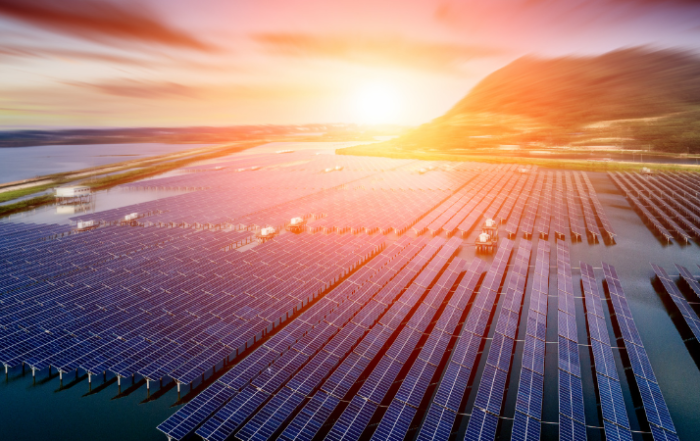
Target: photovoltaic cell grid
(667,202)
(617,424)
(654,404)
(528,405)
(118,316)
(491,391)
(449,394)
(314,415)
(572,420)
(520,204)
(588,214)
(357,197)
(397,420)
(238,410)
(376,386)
(391,261)
(687,312)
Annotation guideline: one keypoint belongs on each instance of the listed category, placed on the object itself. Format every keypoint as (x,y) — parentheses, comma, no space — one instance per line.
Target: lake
(29,162)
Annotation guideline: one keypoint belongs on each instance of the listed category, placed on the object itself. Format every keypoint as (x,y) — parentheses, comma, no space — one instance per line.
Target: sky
(126,63)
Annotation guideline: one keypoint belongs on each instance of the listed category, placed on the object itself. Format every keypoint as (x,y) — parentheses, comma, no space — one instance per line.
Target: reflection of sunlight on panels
(300,288)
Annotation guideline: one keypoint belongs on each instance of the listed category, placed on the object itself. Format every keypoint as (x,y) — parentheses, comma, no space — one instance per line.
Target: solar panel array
(687,312)
(612,402)
(358,196)
(344,335)
(543,221)
(490,395)
(658,416)
(110,305)
(326,352)
(447,400)
(600,211)
(520,204)
(588,214)
(528,407)
(396,422)
(560,212)
(528,223)
(577,231)
(646,215)
(354,419)
(403,258)
(572,419)
(668,202)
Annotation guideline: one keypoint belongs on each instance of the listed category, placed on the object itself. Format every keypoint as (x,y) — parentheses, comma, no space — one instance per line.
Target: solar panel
(609,389)
(654,404)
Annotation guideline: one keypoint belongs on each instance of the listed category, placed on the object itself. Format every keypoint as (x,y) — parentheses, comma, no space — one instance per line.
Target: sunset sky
(95,63)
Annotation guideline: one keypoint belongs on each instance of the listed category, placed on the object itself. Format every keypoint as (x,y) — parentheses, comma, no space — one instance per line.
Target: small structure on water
(296,225)
(487,241)
(73,194)
(265,234)
(86,225)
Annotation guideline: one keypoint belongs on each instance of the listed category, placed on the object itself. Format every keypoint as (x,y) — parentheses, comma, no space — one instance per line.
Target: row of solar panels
(169,304)
(411,349)
(664,203)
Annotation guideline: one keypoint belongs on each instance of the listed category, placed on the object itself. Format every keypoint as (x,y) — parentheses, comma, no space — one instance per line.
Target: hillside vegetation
(633,98)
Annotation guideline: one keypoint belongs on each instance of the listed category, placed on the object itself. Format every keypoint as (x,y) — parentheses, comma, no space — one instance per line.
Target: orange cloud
(375,51)
(139,89)
(99,20)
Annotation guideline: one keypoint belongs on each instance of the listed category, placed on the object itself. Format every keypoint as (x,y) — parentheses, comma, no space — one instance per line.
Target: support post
(89,378)
(148,384)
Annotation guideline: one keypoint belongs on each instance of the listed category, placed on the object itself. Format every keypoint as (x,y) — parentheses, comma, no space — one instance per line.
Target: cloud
(139,89)
(68,54)
(387,51)
(99,20)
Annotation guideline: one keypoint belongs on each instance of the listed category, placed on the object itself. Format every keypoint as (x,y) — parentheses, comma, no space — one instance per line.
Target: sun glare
(377,103)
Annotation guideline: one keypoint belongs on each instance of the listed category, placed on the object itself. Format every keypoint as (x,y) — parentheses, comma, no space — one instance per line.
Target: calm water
(29,162)
(103,200)
(31,411)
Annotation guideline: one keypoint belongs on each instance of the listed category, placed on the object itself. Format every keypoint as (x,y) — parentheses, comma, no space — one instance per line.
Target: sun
(377,103)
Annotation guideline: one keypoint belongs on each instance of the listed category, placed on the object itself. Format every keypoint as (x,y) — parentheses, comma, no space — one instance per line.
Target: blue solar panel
(311,418)
(490,394)
(654,405)
(482,426)
(500,352)
(452,387)
(525,428)
(271,417)
(567,326)
(529,398)
(570,430)
(611,400)
(571,397)
(437,424)
(415,384)
(657,412)
(353,421)
(569,356)
(533,354)
(614,432)
(604,359)
(660,434)
(395,423)
(537,325)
